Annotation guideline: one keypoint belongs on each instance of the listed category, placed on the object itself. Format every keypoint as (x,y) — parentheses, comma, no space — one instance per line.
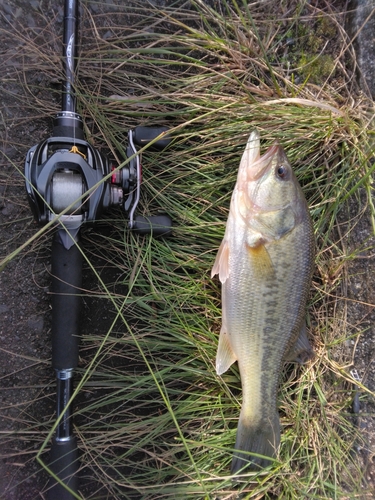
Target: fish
(265,264)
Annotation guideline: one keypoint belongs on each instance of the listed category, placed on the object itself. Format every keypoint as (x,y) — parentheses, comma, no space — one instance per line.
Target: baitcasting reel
(65,173)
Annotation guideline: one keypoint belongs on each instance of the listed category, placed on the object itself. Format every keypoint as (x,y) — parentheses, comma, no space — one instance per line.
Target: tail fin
(263,439)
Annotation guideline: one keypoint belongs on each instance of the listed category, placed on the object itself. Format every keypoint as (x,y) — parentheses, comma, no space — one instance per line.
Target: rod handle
(64,463)
(66,304)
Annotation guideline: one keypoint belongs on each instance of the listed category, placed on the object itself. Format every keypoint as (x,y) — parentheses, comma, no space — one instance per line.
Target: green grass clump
(155,421)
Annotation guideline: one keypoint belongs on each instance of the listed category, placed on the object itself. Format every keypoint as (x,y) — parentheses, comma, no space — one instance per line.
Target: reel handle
(157,225)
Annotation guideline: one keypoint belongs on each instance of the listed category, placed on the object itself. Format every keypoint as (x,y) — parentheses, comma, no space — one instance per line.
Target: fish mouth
(274,155)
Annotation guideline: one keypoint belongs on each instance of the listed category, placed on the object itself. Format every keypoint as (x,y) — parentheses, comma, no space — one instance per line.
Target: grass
(153,418)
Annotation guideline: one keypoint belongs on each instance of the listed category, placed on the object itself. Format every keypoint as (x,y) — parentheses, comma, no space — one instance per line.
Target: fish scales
(266,276)
(268,313)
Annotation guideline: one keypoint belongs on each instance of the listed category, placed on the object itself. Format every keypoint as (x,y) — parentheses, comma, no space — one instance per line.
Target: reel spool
(67,190)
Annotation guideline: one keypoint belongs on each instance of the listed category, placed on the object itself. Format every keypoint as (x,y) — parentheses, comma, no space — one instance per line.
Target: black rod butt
(64,463)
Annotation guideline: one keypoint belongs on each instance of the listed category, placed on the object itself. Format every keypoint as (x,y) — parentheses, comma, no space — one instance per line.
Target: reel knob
(144,135)
(157,225)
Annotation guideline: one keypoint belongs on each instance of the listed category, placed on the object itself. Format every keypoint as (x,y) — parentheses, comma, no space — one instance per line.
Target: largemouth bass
(265,264)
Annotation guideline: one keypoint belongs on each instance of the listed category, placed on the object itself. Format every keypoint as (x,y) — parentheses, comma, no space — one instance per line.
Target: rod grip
(158,225)
(64,463)
(66,304)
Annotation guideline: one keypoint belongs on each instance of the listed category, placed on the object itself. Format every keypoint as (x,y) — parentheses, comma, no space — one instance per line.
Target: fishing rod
(68,184)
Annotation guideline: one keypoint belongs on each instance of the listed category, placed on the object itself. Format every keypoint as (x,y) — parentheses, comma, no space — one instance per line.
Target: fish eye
(281,171)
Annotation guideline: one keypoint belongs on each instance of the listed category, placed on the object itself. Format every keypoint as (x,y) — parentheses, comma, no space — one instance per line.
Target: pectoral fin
(260,260)
(225,356)
(221,265)
(301,351)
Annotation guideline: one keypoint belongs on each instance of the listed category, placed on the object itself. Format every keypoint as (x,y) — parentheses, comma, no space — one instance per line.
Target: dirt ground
(27,381)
